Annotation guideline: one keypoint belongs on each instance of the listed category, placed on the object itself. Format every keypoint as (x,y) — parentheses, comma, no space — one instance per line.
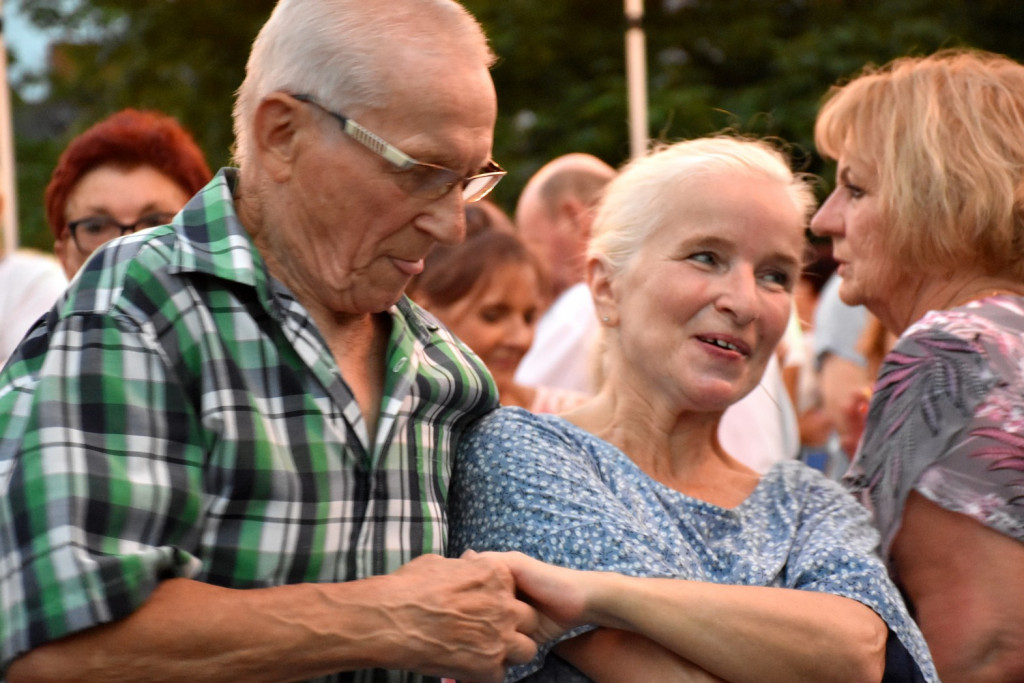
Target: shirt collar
(216,243)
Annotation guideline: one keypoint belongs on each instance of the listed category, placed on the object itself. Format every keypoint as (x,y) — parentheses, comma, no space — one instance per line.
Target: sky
(28,43)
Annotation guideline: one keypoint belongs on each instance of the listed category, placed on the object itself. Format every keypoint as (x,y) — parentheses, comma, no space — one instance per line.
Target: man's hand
(459,618)
(440,617)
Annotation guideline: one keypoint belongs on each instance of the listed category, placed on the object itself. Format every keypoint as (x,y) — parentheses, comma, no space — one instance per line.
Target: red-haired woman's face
(128,197)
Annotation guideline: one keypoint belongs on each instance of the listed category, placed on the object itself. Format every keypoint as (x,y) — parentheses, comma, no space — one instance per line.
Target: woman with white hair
(705,570)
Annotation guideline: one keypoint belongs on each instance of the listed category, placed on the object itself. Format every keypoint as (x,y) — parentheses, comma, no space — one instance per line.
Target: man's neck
(359,346)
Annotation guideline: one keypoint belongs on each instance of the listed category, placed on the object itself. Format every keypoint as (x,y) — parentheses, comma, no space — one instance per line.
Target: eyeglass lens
(92,232)
(433,182)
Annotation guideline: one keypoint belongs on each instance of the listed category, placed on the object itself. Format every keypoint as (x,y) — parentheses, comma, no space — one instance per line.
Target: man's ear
(574,213)
(276,124)
(602,289)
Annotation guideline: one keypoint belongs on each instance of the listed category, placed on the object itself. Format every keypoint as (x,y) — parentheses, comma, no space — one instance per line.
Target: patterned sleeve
(100,489)
(946,421)
(524,484)
(835,552)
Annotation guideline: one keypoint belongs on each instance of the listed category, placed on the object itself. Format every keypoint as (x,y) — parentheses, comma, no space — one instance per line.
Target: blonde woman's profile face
(854,217)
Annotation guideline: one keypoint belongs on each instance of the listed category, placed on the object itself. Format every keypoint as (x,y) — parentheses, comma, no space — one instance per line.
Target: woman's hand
(855,416)
(786,634)
(558,593)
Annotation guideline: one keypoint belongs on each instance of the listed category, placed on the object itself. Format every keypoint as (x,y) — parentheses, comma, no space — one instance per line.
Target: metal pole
(7,185)
(636,77)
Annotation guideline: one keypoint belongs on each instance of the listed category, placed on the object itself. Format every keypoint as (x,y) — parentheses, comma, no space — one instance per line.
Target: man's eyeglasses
(420,179)
(93,231)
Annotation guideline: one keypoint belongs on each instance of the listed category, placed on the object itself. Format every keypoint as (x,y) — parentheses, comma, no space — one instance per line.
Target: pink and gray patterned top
(947,420)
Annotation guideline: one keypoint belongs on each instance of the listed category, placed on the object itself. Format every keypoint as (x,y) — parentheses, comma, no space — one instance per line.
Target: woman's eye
(783,276)
(854,191)
(705,257)
(93,227)
(491,315)
(778,277)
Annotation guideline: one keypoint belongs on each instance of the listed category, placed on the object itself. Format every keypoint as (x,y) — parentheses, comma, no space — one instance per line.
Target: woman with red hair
(133,170)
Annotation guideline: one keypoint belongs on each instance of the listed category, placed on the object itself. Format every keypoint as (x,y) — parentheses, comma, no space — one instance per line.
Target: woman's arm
(737,633)
(609,655)
(966,583)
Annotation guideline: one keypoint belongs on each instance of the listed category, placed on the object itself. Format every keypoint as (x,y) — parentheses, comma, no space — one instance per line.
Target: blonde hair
(945,135)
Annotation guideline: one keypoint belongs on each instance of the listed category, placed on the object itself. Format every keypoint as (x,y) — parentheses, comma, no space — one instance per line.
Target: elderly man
(226,453)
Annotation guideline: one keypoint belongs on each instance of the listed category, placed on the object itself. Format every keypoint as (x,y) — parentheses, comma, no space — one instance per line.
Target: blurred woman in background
(133,170)
(490,291)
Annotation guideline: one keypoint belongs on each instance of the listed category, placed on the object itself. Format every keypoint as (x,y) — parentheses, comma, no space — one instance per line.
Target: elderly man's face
(357,235)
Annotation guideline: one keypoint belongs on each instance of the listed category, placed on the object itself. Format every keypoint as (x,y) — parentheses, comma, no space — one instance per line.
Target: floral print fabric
(947,420)
(542,486)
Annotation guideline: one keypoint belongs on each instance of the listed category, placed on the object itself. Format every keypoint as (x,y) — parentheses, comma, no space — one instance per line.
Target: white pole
(636,77)
(7,185)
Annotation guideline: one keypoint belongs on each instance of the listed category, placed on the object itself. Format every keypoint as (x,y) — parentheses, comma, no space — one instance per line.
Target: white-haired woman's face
(702,305)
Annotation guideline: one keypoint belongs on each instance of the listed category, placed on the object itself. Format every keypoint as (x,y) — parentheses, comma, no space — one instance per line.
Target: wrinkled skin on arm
(437,616)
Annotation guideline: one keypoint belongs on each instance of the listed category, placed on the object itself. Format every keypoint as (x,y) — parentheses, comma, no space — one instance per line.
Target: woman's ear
(603,291)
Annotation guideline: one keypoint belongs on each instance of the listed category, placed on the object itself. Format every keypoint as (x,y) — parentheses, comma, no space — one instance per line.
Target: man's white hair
(338,51)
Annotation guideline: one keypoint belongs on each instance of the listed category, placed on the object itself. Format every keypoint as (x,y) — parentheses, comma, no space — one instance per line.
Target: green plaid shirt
(179,414)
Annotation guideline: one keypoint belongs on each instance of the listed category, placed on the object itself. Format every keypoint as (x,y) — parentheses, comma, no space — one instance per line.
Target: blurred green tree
(759,66)
(183,57)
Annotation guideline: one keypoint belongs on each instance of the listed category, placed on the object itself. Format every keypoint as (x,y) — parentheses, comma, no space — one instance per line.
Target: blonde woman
(927,221)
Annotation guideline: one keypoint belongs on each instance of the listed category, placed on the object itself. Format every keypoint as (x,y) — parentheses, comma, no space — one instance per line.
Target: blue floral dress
(540,485)
(947,420)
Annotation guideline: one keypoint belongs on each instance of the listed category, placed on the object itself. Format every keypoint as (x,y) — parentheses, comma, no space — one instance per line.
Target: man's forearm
(189,630)
(433,616)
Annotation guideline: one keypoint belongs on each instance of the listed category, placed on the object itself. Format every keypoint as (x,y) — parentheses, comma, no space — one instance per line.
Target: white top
(30,283)
(761,429)
(560,356)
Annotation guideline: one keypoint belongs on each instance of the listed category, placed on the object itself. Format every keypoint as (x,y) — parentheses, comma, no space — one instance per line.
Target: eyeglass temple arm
(364,137)
(381,147)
